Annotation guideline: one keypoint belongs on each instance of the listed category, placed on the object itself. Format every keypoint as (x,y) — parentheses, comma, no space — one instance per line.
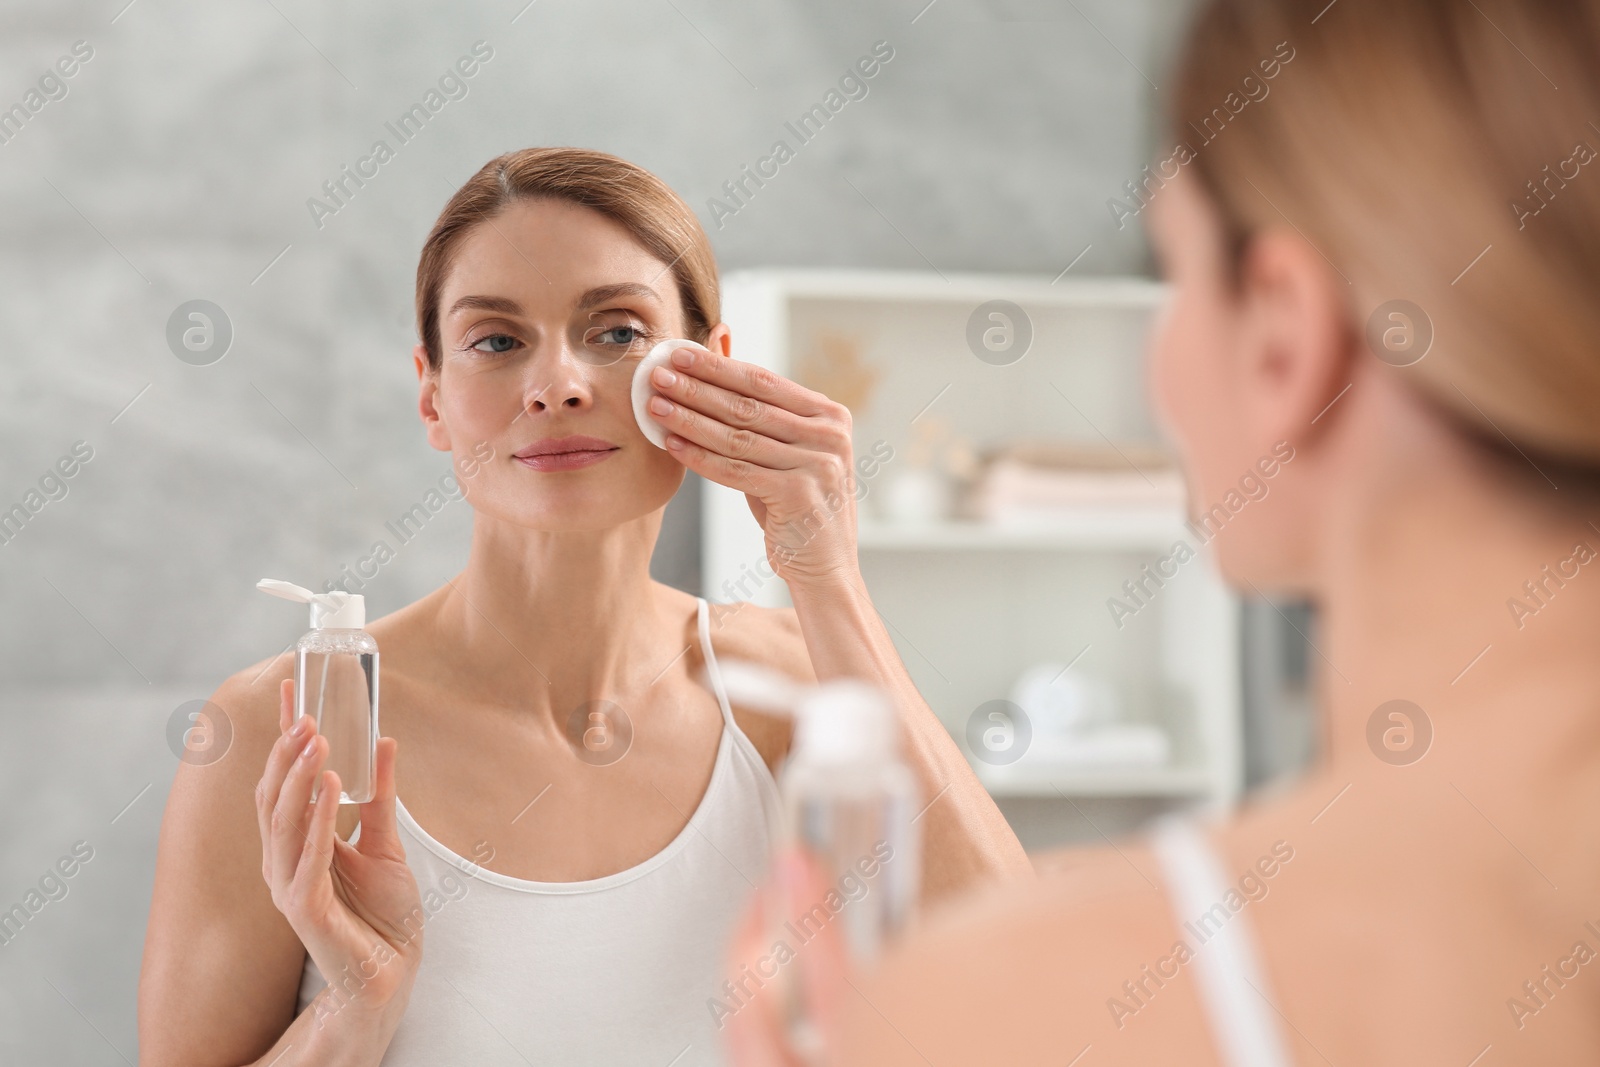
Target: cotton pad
(644,389)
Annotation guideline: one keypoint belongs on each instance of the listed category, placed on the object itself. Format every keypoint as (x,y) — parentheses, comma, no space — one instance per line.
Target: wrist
(370,1010)
(829,588)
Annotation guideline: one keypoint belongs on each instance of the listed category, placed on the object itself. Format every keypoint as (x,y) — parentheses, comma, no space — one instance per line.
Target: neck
(547,620)
(1425,596)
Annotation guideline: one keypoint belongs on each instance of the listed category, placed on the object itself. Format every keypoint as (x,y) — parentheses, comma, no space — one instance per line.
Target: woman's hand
(792,1020)
(355,907)
(786,447)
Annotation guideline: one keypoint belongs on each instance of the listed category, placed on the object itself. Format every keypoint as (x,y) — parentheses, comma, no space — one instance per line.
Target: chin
(1251,566)
(581,505)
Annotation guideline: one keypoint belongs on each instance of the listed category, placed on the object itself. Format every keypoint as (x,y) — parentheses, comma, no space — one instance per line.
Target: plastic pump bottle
(848,798)
(850,803)
(336,683)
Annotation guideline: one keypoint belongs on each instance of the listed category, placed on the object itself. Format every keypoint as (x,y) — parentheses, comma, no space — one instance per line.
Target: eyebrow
(504,305)
(602,294)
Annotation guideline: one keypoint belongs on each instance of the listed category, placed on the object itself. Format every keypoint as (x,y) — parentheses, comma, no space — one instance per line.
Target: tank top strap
(1233,986)
(712,669)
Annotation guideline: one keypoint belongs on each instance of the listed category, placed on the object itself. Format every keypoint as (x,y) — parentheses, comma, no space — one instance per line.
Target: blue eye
(627,335)
(499,342)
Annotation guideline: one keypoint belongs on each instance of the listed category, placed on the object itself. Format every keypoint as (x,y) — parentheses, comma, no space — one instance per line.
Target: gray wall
(178,167)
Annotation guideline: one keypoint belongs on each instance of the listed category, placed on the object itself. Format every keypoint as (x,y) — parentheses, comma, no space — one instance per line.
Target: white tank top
(1234,990)
(624,969)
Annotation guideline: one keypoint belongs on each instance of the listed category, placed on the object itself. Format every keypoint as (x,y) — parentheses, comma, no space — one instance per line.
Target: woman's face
(546,311)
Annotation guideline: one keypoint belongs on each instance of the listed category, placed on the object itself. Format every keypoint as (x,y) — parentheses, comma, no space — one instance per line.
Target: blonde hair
(641,202)
(1428,153)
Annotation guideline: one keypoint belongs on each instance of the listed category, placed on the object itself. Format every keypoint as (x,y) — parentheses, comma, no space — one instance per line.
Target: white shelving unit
(969,604)
(1109,529)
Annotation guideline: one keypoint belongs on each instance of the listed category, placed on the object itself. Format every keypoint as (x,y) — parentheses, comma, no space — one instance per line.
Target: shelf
(1127,529)
(1071,782)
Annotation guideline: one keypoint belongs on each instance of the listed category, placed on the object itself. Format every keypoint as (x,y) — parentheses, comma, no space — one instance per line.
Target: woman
(1430,891)
(547,699)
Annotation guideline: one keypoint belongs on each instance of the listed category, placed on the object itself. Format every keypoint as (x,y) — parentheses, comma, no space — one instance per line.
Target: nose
(556,383)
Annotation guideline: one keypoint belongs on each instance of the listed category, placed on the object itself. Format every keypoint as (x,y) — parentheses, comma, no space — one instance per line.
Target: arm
(222,964)
(789,450)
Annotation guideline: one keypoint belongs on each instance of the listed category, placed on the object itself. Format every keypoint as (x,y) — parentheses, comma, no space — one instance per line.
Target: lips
(564,453)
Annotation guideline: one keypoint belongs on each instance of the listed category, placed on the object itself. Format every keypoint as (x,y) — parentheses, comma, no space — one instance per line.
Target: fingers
(755,1033)
(819,424)
(721,428)
(732,442)
(379,834)
(758,1041)
(823,961)
(290,818)
(752,381)
(316,853)
(739,474)
(731,408)
(812,982)
(279,762)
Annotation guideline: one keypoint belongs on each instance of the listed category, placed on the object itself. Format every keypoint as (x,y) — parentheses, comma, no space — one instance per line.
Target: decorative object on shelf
(1060,701)
(1036,481)
(915,496)
(1077,724)
(835,368)
(936,463)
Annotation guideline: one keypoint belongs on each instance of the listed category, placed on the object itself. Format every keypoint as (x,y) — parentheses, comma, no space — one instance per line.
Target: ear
(721,339)
(1297,346)
(428,391)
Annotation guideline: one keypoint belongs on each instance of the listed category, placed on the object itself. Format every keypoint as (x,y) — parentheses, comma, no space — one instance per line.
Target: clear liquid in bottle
(336,683)
(850,805)
(855,821)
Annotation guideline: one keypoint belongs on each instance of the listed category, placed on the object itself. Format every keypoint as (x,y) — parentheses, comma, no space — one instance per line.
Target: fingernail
(300,726)
(665,377)
(311,746)
(683,357)
(660,406)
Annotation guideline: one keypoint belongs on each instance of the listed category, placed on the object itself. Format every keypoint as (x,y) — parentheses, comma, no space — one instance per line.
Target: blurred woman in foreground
(1430,892)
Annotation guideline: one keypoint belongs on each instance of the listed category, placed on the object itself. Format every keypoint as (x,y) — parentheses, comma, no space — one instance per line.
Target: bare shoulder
(213,788)
(244,709)
(1088,954)
(770,638)
(221,963)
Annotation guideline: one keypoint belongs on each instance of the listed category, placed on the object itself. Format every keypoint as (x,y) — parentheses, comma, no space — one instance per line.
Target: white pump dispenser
(329,611)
